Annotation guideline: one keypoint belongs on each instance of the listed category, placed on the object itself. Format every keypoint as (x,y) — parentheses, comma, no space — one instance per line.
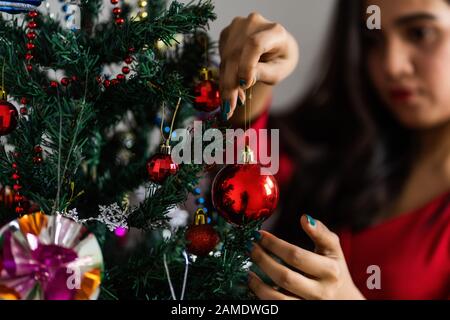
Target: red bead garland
(31,36)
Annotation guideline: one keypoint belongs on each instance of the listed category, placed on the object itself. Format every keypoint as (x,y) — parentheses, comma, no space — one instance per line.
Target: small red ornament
(31,35)
(33,14)
(126,70)
(15,176)
(107,83)
(32,25)
(128,60)
(19,211)
(17,187)
(202,238)
(37,160)
(114,1)
(23,111)
(54,84)
(121,77)
(120,21)
(240,193)
(114,82)
(65,82)
(161,165)
(207,94)
(30,46)
(37,149)
(28,56)
(117,11)
(8,117)
(29,67)
(23,100)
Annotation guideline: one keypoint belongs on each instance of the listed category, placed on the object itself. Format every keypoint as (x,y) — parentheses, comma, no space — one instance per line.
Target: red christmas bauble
(202,239)
(161,166)
(240,193)
(207,96)
(8,118)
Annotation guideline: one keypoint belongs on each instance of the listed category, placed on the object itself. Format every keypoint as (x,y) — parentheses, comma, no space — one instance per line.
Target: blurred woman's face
(409,60)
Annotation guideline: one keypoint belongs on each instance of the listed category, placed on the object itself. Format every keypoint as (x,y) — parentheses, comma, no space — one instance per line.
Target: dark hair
(352,155)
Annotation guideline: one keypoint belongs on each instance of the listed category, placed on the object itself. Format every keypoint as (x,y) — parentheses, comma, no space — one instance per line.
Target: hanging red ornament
(161,165)
(8,117)
(65,81)
(241,193)
(202,238)
(207,94)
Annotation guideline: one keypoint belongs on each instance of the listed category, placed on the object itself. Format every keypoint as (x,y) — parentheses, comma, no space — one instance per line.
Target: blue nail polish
(227,106)
(242,82)
(249,246)
(311,221)
(256,235)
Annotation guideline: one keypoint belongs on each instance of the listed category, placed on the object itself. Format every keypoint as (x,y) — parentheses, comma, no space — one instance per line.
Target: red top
(411,251)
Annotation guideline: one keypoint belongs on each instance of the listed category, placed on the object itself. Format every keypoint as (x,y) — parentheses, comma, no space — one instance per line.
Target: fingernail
(239,102)
(249,246)
(311,221)
(242,82)
(256,235)
(226,108)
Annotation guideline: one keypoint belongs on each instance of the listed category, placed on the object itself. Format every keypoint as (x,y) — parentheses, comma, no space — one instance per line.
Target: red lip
(401,95)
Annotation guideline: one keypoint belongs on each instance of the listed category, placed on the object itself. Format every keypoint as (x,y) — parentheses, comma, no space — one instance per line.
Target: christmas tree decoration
(8,117)
(241,193)
(142,14)
(160,166)
(202,238)
(14,7)
(206,92)
(49,257)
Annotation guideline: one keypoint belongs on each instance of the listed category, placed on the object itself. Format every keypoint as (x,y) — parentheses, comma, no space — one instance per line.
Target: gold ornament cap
(165,149)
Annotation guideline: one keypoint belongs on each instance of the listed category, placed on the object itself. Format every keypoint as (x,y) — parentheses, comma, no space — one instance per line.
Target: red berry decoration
(117,11)
(240,193)
(37,149)
(30,46)
(126,70)
(54,84)
(128,60)
(33,14)
(201,238)
(23,100)
(29,67)
(23,111)
(31,35)
(161,165)
(65,82)
(207,94)
(8,117)
(32,25)
(114,1)
(120,21)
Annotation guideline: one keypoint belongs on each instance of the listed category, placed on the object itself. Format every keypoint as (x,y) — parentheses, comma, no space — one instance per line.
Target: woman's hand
(321,275)
(253,50)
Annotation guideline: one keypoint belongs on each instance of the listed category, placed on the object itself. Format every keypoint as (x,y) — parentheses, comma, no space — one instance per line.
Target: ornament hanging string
(167,140)
(186,271)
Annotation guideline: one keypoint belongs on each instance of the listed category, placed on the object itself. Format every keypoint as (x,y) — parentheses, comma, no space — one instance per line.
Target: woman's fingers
(327,243)
(229,87)
(268,41)
(309,262)
(284,277)
(265,292)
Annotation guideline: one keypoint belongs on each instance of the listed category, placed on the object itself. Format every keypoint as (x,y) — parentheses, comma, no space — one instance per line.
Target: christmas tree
(80,112)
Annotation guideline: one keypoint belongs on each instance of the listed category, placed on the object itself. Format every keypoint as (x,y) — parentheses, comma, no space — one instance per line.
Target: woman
(371,145)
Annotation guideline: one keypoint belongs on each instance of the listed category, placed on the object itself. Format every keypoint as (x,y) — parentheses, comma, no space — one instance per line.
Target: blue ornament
(14,7)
